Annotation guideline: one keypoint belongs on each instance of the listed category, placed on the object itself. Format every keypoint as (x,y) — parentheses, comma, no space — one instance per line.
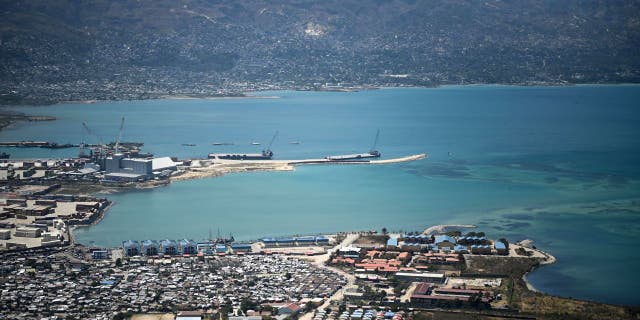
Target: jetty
(323,161)
(217,167)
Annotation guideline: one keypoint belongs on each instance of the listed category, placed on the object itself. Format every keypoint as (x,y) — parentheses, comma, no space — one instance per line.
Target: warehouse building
(118,168)
(131,248)
(28,232)
(241,247)
(5,234)
(169,247)
(188,246)
(429,277)
(149,247)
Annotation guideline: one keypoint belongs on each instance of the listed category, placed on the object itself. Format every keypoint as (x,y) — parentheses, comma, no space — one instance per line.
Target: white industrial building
(118,168)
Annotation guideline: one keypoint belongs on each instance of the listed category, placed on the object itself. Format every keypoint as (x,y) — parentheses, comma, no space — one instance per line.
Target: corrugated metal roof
(159,164)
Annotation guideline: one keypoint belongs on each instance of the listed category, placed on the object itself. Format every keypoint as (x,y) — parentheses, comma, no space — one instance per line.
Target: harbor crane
(119,135)
(267,152)
(91,133)
(373,151)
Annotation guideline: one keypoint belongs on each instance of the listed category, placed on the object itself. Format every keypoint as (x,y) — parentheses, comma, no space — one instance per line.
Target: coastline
(544,257)
(9,118)
(73,227)
(441,228)
(245,94)
(205,97)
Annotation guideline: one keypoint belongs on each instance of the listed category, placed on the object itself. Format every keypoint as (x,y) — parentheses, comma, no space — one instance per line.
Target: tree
(248,304)
(118,262)
(384,230)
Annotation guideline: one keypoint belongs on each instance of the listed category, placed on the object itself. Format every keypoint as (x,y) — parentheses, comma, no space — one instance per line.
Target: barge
(359,156)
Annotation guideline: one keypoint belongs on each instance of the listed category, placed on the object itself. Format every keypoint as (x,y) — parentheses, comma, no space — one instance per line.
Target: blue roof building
(481,249)
(501,247)
(286,240)
(392,242)
(205,246)
(322,239)
(421,238)
(131,248)
(241,247)
(306,240)
(461,249)
(269,242)
(149,247)
(188,246)
(444,238)
(221,248)
(169,247)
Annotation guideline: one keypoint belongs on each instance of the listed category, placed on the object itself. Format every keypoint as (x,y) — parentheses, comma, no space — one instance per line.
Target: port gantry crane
(373,151)
(119,136)
(91,133)
(267,152)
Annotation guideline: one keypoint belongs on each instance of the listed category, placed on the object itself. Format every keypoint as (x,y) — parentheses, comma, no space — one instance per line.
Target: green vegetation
(454,233)
(518,296)
(123,315)
(372,239)
(248,304)
(475,234)
(523,252)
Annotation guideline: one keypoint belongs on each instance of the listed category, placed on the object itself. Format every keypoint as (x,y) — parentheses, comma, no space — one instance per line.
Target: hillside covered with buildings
(69,50)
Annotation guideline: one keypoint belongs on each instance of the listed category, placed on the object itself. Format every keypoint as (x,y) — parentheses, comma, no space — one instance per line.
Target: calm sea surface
(559,165)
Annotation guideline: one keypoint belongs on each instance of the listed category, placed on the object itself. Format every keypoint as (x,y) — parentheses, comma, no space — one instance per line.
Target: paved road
(320,262)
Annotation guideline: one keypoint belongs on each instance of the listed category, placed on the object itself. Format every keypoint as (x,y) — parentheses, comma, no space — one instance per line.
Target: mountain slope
(70,50)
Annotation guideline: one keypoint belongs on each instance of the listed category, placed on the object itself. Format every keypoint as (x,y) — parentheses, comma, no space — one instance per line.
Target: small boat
(255,143)
(222,143)
(294,142)
(189,144)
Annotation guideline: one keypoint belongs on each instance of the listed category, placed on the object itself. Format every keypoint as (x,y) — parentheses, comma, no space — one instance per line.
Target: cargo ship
(266,154)
(359,156)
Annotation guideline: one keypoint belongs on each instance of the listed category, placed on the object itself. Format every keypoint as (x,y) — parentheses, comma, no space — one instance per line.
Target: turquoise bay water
(557,165)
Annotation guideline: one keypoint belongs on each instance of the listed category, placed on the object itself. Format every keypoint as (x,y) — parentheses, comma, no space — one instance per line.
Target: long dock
(220,167)
(319,161)
(37,144)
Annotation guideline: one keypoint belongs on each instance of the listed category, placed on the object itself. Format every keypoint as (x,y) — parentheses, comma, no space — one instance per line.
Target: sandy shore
(544,257)
(441,228)
(219,167)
